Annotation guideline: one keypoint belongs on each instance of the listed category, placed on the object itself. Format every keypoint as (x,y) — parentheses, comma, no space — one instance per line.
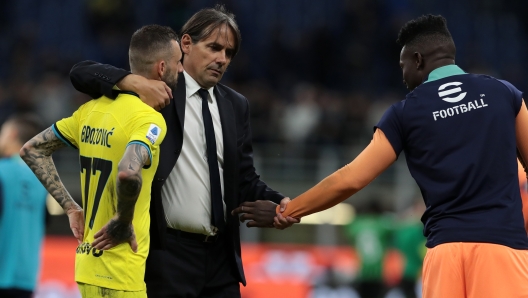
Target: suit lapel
(227,117)
(180,98)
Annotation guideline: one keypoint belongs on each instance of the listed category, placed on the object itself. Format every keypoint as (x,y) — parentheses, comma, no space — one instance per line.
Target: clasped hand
(262,214)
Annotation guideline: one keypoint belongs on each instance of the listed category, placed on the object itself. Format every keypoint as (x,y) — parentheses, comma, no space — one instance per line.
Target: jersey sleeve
(67,129)
(391,126)
(517,95)
(149,131)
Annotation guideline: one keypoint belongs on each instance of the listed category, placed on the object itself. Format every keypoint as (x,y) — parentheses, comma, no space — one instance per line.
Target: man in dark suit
(206,165)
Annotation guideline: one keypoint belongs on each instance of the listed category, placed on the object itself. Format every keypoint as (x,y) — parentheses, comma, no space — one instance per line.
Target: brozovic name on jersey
(96,136)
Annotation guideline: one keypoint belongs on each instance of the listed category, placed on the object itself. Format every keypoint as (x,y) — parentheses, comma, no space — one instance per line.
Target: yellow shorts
(91,291)
(475,270)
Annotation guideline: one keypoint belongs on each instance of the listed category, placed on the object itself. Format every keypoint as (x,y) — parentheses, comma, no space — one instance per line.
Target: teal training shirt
(22,224)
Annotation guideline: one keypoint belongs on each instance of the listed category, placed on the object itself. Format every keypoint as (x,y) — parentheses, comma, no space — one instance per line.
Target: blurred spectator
(21,93)
(301,116)
(22,211)
(328,130)
(369,233)
(7,105)
(410,242)
(262,102)
(52,98)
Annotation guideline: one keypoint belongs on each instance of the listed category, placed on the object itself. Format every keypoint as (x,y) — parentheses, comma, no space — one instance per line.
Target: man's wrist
(123,218)
(119,230)
(71,206)
(129,82)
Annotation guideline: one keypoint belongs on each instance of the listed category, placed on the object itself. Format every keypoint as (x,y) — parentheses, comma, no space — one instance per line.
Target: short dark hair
(147,44)
(424,30)
(205,21)
(27,125)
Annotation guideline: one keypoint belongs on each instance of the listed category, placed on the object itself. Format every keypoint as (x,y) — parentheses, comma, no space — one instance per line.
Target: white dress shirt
(186,194)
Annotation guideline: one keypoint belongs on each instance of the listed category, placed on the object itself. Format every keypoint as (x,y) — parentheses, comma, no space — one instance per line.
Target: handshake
(265,214)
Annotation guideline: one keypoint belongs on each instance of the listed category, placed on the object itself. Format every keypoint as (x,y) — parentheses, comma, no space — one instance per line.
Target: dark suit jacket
(241,182)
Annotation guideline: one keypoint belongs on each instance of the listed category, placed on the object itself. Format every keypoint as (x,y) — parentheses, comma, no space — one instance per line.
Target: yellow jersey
(101,129)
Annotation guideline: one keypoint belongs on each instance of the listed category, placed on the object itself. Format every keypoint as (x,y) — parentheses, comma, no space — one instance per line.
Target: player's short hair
(204,22)
(27,125)
(148,44)
(424,31)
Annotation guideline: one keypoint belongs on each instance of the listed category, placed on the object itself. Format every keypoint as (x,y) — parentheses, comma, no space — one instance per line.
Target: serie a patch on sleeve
(153,133)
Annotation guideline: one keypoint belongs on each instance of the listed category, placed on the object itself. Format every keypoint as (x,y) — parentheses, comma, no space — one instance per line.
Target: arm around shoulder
(96,79)
(154,93)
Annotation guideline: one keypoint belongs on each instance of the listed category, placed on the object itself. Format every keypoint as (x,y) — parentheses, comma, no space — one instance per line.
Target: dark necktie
(217,206)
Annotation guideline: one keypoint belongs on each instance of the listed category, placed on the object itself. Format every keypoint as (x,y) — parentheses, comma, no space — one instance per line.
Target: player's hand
(154,93)
(114,233)
(283,203)
(280,222)
(259,214)
(76,218)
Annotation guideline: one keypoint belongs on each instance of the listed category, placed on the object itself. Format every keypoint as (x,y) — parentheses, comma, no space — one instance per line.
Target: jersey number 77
(91,166)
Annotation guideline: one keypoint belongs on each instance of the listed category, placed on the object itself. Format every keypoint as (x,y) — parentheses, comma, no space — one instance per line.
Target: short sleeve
(149,131)
(390,125)
(517,95)
(67,129)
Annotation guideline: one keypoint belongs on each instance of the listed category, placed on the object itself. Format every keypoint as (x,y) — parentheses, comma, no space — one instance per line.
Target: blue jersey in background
(22,224)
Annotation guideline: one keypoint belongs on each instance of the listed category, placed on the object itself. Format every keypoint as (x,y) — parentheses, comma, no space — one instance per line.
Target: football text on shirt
(96,136)
(459,109)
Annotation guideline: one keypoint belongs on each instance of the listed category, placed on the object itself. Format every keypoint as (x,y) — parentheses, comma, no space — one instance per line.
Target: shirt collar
(443,72)
(192,86)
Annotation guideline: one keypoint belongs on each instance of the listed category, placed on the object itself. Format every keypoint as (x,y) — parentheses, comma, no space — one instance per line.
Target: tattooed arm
(119,229)
(37,155)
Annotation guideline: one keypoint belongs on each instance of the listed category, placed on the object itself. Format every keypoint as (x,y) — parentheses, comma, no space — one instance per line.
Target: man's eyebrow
(214,43)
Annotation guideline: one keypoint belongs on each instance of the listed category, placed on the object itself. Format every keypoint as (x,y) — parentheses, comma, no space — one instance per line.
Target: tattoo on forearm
(37,155)
(128,189)
(119,231)
(141,155)
(127,194)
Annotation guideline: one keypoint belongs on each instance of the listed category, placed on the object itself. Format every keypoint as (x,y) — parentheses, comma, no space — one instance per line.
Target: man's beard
(170,80)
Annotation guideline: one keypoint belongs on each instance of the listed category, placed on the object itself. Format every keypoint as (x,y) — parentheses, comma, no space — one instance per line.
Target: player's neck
(437,64)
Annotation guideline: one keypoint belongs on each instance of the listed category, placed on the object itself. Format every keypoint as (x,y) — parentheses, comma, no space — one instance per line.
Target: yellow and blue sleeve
(67,129)
(150,130)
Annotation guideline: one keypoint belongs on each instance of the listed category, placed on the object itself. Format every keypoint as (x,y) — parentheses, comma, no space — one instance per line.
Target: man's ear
(161,68)
(186,43)
(419,61)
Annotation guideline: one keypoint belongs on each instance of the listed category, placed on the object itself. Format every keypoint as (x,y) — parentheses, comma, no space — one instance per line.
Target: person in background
(23,211)
(369,233)
(207,167)
(118,145)
(460,133)
(409,241)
